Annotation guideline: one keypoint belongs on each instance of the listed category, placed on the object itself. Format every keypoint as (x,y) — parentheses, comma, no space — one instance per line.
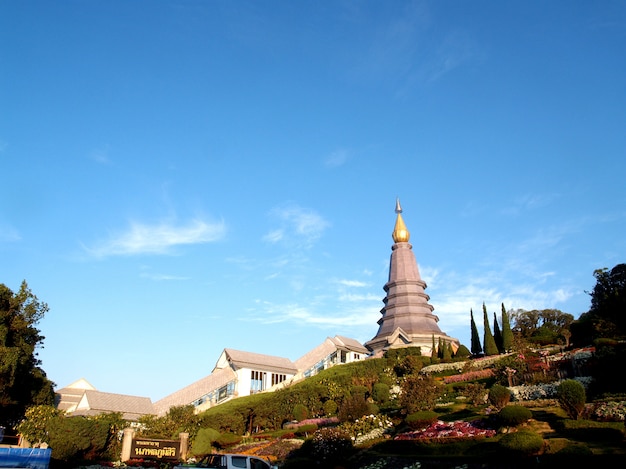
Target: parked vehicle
(229,461)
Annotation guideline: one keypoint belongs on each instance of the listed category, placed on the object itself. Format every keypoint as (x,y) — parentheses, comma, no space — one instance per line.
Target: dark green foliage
(433,349)
(447,352)
(590,430)
(352,408)
(330,408)
(300,412)
(499,396)
(203,442)
(606,316)
(22,382)
(462,352)
(572,397)
(380,393)
(228,439)
(77,438)
(476,348)
(523,442)
(420,393)
(420,420)
(513,415)
(497,334)
(488,341)
(507,333)
(305,430)
(475,393)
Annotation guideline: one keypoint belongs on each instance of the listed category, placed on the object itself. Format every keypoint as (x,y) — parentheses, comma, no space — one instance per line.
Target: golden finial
(400,233)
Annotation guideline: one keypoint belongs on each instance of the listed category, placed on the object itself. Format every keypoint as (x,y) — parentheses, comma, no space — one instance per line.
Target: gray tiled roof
(195,390)
(252,360)
(132,407)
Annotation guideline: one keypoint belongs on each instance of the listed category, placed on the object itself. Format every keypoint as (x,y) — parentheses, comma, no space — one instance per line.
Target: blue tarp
(33,458)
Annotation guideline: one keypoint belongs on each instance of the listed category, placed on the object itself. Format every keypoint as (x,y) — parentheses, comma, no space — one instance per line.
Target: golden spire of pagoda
(400,233)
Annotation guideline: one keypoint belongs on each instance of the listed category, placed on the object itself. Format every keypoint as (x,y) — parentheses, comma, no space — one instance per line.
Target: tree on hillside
(488,341)
(507,333)
(606,317)
(497,334)
(476,348)
(22,382)
(541,326)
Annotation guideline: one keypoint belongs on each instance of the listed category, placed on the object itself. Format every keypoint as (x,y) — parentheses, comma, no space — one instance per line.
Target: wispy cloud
(299,225)
(352,283)
(160,238)
(100,155)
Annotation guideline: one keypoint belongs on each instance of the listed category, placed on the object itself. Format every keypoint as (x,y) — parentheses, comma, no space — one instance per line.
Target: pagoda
(407,317)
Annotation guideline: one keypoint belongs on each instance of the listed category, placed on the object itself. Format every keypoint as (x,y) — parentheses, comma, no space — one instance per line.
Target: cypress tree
(497,335)
(488,341)
(476,348)
(507,334)
(447,351)
(440,349)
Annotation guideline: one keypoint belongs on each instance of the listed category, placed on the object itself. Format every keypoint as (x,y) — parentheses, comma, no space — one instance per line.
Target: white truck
(229,461)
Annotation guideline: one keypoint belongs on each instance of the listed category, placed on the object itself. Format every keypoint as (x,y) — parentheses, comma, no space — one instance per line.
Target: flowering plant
(449,430)
(367,428)
(610,411)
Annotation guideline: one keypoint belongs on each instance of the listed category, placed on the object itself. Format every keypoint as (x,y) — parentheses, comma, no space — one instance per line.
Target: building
(239,373)
(81,398)
(407,317)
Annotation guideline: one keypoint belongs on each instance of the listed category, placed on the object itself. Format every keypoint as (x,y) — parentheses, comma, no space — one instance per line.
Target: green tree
(22,382)
(476,348)
(497,334)
(507,333)
(572,397)
(490,344)
(541,326)
(605,318)
(420,393)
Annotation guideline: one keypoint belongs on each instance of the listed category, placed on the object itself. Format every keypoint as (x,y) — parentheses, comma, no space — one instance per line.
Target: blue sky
(180,177)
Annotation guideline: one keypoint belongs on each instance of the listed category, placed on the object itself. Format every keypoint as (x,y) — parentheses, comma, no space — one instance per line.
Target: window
(278,378)
(257,380)
(239,461)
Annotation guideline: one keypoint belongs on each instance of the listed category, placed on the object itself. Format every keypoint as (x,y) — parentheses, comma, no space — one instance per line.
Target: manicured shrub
(330,408)
(380,393)
(524,442)
(572,397)
(203,442)
(462,352)
(352,408)
(420,420)
(499,396)
(228,439)
(513,415)
(420,393)
(300,412)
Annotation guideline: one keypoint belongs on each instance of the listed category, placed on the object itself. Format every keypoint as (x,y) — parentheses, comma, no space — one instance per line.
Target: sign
(154,449)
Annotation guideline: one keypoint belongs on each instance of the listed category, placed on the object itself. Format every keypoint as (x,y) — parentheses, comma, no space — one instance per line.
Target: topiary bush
(513,415)
(330,408)
(228,439)
(203,442)
(380,393)
(300,412)
(420,420)
(523,443)
(572,397)
(499,396)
